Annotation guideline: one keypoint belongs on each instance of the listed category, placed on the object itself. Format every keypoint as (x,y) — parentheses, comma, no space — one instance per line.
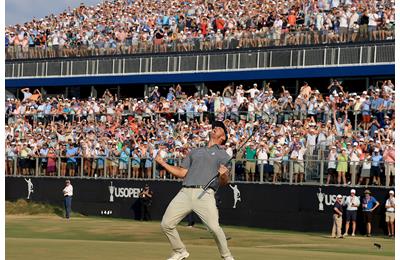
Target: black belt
(67,196)
(196,187)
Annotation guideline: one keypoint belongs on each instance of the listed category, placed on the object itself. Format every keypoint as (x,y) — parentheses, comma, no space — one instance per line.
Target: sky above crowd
(20,11)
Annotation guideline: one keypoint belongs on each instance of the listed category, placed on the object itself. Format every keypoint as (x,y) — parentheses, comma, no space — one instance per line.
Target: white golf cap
(353,191)
(339,196)
(391,192)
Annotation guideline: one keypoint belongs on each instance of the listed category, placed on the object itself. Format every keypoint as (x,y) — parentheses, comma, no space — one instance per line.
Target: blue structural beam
(298,73)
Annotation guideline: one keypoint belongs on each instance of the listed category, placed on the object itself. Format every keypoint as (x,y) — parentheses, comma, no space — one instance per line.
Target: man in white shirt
(68,192)
(352,202)
(343,27)
(297,156)
(390,207)
(372,24)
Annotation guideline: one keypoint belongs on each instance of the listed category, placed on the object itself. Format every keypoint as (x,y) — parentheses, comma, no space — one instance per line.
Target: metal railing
(294,38)
(310,171)
(338,55)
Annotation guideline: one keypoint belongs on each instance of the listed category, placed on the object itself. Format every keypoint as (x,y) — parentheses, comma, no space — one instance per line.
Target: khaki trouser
(337,226)
(185,202)
(389,171)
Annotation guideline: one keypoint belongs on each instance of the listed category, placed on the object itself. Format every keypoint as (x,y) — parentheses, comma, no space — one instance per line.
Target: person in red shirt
(220,23)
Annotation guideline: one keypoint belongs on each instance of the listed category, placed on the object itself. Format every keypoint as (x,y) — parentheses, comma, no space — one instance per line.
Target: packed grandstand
(350,133)
(129,27)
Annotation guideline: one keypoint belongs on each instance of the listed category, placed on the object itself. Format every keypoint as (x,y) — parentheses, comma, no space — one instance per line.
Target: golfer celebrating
(197,169)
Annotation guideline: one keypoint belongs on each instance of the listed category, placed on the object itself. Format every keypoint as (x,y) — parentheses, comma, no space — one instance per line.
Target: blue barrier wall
(298,73)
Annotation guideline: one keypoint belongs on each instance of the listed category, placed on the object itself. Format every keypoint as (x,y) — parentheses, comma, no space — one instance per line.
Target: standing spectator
(297,157)
(369,204)
(342,166)
(51,162)
(337,218)
(146,196)
(71,152)
(250,162)
(354,162)
(352,203)
(376,167)
(332,163)
(262,160)
(390,216)
(68,193)
(389,159)
(366,169)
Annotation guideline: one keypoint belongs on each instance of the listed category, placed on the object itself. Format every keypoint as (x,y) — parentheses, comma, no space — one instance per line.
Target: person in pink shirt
(389,158)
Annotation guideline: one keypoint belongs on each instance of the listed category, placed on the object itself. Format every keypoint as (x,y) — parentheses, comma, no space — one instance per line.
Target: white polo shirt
(390,202)
(352,200)
(68,190)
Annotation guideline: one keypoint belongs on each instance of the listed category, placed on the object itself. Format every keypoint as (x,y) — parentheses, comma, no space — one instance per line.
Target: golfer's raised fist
(159,159)
(223,170)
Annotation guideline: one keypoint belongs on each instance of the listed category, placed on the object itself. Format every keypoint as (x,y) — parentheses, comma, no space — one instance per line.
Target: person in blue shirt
(170,95)
(72,151)
(369,204)
(375,166)
(124,159)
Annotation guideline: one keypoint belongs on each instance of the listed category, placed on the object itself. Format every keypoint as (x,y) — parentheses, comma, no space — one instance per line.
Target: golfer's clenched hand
(223,170)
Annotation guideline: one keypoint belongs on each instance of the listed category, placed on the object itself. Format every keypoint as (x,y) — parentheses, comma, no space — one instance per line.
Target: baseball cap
(353,191)
(222,125)
(339,196)
(391,192)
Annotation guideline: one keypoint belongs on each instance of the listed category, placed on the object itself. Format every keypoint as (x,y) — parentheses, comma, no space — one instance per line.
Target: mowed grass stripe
(47,237)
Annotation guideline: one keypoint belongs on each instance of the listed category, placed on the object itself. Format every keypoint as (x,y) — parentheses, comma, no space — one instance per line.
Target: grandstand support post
(387,175)
(37,166)
(58,167)
(105,167)
(233,170)
(321,173)
(355,121)
(15,165)
(154,169)
(290,171)
(129,168)
(81,167)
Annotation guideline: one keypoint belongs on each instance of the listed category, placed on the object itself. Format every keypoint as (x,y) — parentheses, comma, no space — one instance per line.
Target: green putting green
(52,237)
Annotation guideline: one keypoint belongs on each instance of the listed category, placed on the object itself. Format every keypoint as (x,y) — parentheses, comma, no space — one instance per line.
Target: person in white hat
(352,203)
(337,218)
(390,208)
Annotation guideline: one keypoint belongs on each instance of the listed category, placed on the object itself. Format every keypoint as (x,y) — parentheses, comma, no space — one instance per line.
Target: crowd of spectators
(353,133)
(131,26)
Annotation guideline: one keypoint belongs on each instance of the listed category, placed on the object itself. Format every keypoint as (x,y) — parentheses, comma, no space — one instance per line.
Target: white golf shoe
(179,255)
